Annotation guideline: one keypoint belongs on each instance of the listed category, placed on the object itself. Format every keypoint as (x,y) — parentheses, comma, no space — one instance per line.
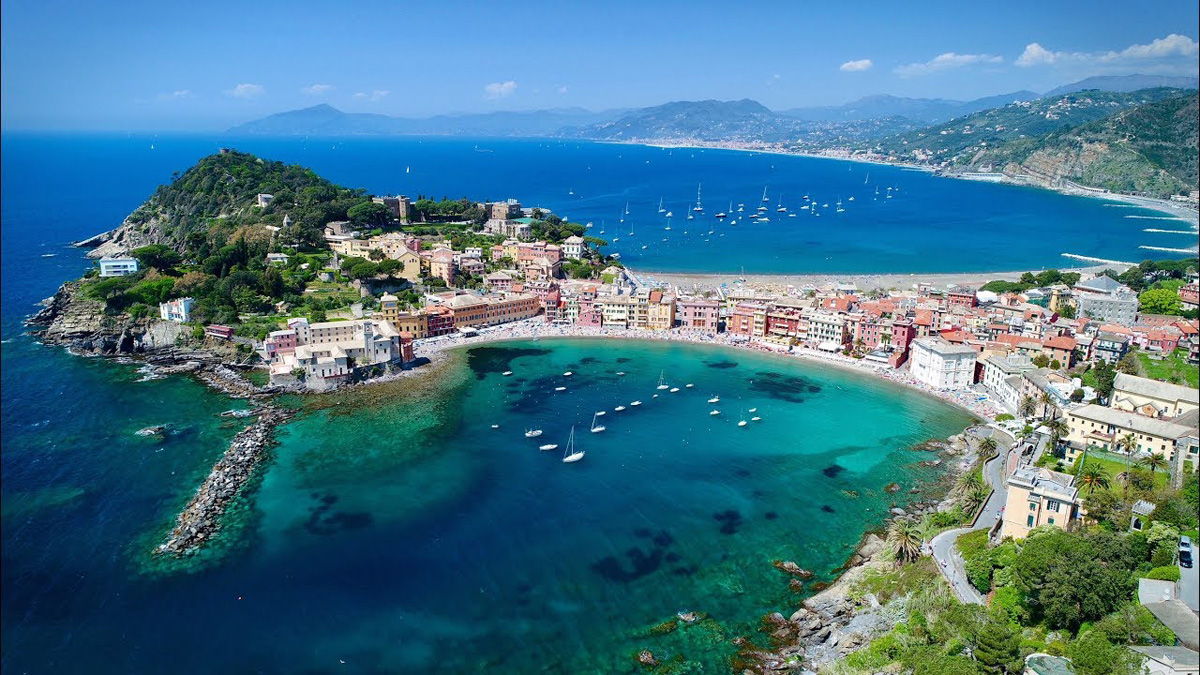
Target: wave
(1154,217)
(1088,258)
(1170,250)
(1152,229)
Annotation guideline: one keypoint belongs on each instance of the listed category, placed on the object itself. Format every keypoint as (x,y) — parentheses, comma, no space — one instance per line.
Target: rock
(897,511)
(157,430)
(646,658)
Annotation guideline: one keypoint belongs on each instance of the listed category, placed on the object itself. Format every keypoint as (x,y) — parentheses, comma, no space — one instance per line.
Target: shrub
(1004,417)
(1164,573)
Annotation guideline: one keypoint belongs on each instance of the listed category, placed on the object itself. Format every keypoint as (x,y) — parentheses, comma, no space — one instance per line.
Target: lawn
(1173,368)
(1113,467)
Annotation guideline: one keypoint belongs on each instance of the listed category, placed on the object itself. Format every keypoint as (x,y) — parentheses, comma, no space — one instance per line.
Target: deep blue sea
(399,532)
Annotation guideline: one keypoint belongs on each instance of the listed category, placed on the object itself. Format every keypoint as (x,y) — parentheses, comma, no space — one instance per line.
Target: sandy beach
(434,349)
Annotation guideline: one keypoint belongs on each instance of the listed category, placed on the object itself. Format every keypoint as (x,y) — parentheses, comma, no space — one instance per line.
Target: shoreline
(531,329)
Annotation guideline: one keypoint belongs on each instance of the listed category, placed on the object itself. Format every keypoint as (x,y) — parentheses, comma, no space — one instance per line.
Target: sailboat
(867,178)
(780,207)
(742,422)
(548,446)
(715,399)
(533,433)
(597,428)
(698,208)
(626,208)
(722,214)
(670,215)
(764,197)
(662,380)
(571,454)
(660,206)
(571,191)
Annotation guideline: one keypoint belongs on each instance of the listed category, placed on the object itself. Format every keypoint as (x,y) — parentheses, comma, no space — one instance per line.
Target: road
(942,547)
(1189,584)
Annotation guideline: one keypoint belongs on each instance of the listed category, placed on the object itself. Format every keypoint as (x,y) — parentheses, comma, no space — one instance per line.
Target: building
(1109,347)
(219,332)
(660,313)
(1106,299)
(1002,376)
(118,267)
(277,259)
(400,206)
(1173,660)
(698,314)
(827,331)
(573,247)
(327,353)
(441,265)
(263,200)
(1189,295)
(1037,497)
(1097,426)
(178,310)
(942,365)
(1152,398)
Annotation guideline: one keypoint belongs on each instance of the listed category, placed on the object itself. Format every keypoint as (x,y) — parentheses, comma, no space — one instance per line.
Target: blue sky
(207,65)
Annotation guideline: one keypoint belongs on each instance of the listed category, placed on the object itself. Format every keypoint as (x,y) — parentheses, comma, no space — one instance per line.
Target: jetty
(201,518)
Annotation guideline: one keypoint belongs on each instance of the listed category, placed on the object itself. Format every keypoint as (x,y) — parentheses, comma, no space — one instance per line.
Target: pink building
(698,314)
(280,342)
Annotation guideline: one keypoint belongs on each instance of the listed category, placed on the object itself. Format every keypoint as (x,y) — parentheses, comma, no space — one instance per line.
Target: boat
(568,374)
(571,191)
(597,428)
(780,208)
(507,373)
(548,446)
(589,225)
(620,372)
(764,219)
(618,408)
(690,216)
(662,381)
(714,413)
(626,208)
(754,410)
(755,418)
(533,433)
(867,178)
(600,412)
(674,389)
(698,208)
(660,206)
(722,214)
(850,199)
(764,197)
(495,426)
(570,454)
(742,422)
(715,399)
(741,208)
(669,214)
(791,215)
(635,403)
(560,389)
(689,385)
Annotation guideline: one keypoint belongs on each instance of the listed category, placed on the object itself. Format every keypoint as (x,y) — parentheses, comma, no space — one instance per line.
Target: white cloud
(500,89)
(246,91)
(317,89)
(947,61)
(562,89)
(1174,47)
(855,66)
(373,95)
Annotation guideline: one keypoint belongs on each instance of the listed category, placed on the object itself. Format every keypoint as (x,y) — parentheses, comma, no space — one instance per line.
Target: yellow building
(1151,397)
(1039,497)
(661,311)
(416,323)
(1095,425)
(616,311)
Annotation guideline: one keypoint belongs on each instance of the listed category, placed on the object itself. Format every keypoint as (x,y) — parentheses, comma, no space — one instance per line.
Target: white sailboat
(618,408)
(715,399)
(780,208)
(533,433)
(670,214)
(742,422)
(722,214)
(764,197)
(636,403)
(662,380)
(660,206)
(597,428)
(698,208)
(571,454)
(626,208)
(548,446)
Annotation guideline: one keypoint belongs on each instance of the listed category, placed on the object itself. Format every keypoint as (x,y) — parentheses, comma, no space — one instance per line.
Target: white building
(277,259)
(1002,375)
(327,352)
(179,311)
(264,200)
(942,365)
(118,267)
(573,247)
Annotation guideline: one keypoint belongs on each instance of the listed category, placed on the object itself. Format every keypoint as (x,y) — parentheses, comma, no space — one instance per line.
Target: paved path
(949,560)
(1189,584)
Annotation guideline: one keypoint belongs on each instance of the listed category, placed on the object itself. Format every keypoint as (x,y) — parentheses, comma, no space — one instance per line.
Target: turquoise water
(398,532)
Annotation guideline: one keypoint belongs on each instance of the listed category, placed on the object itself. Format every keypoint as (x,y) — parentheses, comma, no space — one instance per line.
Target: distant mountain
(1148,149)
(1126,83)
(921,110)
(961,140)
(325,120)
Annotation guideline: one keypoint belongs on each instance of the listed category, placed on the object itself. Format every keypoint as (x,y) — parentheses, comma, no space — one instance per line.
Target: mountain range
(325,120)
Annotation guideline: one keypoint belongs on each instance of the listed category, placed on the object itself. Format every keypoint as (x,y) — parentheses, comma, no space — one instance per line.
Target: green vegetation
(428,210)
(1172,368)
(1154,273)
(1030,280)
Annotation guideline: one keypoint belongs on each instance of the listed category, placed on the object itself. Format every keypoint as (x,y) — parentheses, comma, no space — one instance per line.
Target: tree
(1066,311)
(1047,402)
(987,447)
(1041,360)
(157,256)
(369,213)
(1093,654)
(1092,476)
(975,497)
(1055,364)
(1127,443)
(1159,301)
(1027,406)
(1105,376)
(998,646)
(1153,461)
(1058,430)
(1128,364)
(905,539)
(1077,395)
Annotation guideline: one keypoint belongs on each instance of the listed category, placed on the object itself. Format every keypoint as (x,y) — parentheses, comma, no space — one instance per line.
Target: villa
(118,267)
(1037,497)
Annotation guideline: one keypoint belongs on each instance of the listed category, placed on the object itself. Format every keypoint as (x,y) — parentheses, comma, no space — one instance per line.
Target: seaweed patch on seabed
(833,470)
(721,365)
(485,360)
(641,562)
(321,521)
(788,388)
(730,521)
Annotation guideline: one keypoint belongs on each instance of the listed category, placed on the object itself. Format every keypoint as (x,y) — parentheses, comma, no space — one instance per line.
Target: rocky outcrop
(133,232)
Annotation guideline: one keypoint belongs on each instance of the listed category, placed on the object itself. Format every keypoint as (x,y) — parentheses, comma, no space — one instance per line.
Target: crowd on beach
(537,328)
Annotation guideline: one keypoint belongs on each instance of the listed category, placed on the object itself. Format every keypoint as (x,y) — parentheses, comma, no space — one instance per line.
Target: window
(1029,521)
(1051,520)
(1052,504)
(1033,506)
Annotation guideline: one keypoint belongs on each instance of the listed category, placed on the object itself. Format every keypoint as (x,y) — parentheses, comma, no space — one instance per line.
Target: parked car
(1185,551)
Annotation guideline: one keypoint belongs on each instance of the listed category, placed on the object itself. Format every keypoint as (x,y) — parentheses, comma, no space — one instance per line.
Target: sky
(205,66)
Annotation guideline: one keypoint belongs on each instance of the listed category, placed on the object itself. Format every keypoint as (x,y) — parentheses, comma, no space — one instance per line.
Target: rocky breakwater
(201,518)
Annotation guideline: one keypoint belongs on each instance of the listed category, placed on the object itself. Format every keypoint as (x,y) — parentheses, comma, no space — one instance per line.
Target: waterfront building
(178,310)
(328,352)
(942,365)
(827,332)
(1151,398)
(961,296)
(216,330)
(118,266)
(661,311)
(747,318)
(1037,497)
(698,314)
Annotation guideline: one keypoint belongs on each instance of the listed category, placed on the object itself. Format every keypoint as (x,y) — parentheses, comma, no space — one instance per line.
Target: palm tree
(1153,461)
(1092,476)
(975,497)
(905,538)
(1027,406)
(1128,443)
(1047,402)
(987,447)
(1058,431)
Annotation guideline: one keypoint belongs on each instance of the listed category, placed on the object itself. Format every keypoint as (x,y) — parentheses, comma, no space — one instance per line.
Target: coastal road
(1189,584)
(948,559)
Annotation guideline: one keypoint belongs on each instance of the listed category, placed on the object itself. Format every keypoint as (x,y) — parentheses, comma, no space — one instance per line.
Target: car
(1185,543)
(1185,558)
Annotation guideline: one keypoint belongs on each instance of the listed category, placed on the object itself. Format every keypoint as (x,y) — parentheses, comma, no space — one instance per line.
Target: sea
(406,528)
